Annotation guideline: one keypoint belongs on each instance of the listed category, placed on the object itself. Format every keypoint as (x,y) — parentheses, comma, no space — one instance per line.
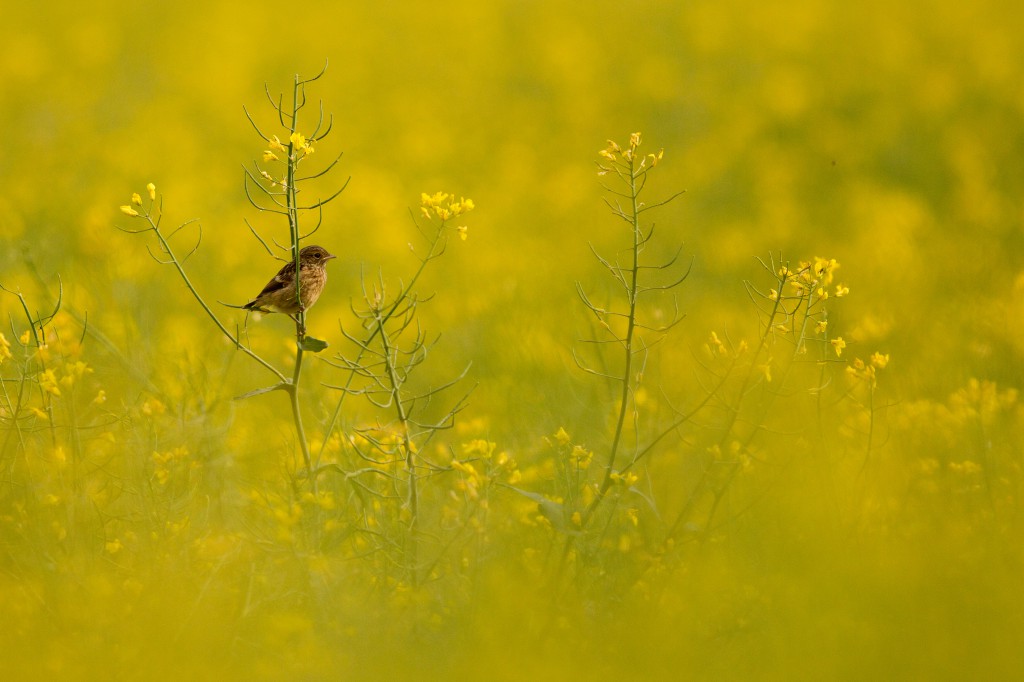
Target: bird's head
(315,255)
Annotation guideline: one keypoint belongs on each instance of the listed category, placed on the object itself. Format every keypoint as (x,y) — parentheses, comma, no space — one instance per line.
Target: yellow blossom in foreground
(562,437)
(276,144)
(151,189)
(821,327)
(463,232)
(269,156)
(838,344)
(879,360)
(128,210)
(136,199)
(842,290)
(48,382)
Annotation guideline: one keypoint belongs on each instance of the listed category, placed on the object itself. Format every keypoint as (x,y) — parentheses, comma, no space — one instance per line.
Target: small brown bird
(279,294)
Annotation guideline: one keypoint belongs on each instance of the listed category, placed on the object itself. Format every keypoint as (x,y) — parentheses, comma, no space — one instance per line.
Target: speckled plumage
(279,294)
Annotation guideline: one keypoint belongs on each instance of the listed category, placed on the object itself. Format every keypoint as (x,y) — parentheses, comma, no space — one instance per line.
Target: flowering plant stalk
(280,196)
(389,350)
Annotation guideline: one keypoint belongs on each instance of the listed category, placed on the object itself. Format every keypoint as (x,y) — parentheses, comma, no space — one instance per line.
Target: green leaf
(313,345)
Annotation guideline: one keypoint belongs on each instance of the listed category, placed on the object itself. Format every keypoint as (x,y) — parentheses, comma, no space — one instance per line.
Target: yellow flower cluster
(626,156)
(858,370)
(813,277)
(300,147)
(136,200)
(163,462)
(627,479)
(445,206)
(490,465)
(982,399)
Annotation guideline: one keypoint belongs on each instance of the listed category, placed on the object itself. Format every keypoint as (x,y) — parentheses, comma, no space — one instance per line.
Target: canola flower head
(300,145)
(838,344)
(444,205)
(151,190)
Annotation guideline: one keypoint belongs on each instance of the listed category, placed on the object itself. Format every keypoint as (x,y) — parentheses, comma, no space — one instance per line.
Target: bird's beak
(330,256)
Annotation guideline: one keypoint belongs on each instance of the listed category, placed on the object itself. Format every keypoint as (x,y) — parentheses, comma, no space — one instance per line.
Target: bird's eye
(316,255)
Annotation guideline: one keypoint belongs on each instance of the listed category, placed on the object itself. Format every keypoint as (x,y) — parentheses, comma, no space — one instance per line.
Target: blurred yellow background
(887,136)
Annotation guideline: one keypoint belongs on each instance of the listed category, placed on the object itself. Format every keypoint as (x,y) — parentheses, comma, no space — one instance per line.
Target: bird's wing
(285,275)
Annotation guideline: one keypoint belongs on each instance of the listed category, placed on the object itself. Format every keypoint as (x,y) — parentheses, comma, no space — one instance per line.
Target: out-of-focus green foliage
(859,514)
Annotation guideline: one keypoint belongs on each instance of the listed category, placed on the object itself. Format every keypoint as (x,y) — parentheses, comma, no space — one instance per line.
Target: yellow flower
(838,344)
(463,232)
(269,156)
(128,210)
(842,290)
(824,267)
(879,360)
(151,188)
(298,140)
(581,456)
(136,199)
(634,140)
(276,144)
(114,546)
(821,327)
(48,382)
(101,397)
(627,479)
(562,436)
